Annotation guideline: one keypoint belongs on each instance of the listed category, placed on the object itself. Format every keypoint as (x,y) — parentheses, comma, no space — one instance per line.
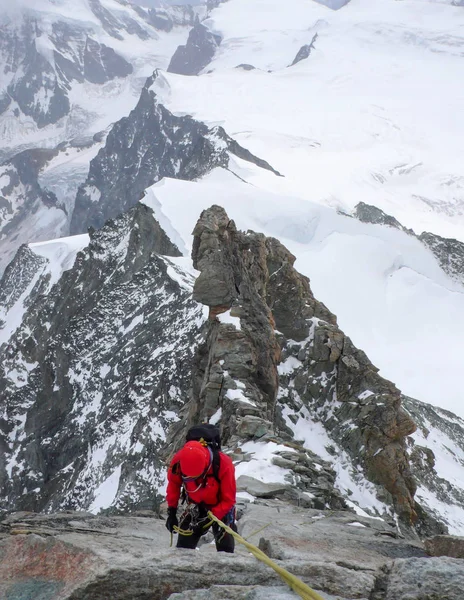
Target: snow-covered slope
(374,114)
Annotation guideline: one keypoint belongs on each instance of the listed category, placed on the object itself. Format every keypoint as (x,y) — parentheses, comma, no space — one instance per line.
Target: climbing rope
(303,590)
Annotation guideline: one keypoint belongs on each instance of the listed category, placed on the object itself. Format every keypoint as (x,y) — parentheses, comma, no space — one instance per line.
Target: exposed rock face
(75,556)
(305,51)
(439,578)
(18,277)
(97,370)
(113,25)
(445,545)
(272,317)
(141,149)
(198,52)
(20,187)
(37,90)
(449,252)
(372,214)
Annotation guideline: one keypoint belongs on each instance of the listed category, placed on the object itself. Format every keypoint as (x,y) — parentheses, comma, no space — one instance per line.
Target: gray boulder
(426,579)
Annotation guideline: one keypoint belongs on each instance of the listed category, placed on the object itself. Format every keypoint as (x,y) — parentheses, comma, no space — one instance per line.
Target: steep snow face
(374,114)
(386,288)
(59,59)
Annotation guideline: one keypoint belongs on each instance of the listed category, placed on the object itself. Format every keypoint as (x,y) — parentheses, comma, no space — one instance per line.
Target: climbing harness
(191,515)
(303,590)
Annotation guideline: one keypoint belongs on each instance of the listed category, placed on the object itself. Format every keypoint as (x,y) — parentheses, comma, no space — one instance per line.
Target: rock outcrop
(274,357)
(305,51)
(445,545)
(448,251)
(76,556)
(197,53)
(366,213)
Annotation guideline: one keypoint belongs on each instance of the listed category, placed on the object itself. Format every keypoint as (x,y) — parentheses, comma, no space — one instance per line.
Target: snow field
(373,115)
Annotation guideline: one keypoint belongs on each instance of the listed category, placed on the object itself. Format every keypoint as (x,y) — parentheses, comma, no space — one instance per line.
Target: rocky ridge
(278,360)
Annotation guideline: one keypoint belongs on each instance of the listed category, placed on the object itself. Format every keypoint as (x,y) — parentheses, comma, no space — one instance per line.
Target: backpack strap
(216,464)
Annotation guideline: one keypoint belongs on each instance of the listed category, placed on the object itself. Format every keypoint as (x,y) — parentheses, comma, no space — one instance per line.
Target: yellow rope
(258,530)
(303,590)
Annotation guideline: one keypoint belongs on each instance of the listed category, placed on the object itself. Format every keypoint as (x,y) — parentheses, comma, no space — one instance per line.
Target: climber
(204,477)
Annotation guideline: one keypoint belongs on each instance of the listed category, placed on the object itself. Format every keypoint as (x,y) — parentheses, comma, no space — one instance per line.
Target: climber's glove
(172,521)
(201,526)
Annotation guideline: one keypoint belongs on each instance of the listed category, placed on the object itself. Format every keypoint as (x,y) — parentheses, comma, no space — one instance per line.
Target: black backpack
(210,435)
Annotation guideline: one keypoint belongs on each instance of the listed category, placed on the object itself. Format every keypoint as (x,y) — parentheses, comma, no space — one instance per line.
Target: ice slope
(387,289)
(374,114)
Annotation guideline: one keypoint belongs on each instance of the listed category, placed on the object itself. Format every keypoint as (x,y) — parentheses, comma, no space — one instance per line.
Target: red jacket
(219,496)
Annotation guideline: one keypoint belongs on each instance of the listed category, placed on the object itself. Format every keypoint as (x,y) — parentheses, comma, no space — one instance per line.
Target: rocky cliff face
(141,149)
(197,53)
(97,370)
(278,357)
